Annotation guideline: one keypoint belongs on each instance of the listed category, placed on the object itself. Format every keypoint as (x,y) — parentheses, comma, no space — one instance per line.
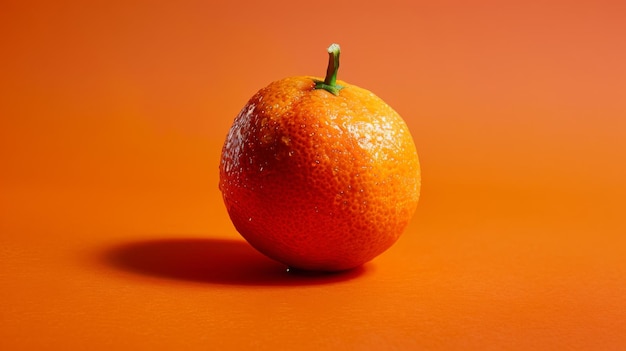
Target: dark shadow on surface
(217,261)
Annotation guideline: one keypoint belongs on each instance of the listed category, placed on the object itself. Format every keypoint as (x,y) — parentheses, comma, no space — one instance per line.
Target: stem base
(333,89)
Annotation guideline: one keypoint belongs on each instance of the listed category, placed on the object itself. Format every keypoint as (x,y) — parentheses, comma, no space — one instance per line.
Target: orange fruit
(319,175)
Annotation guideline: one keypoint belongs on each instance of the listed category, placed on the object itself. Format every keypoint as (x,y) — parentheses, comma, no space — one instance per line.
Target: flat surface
(113,234)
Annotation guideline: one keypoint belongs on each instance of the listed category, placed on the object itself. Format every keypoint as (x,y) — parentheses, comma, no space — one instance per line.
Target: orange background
(114,234)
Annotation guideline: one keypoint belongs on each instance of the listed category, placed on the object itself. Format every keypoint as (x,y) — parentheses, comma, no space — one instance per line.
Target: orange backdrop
(113,232)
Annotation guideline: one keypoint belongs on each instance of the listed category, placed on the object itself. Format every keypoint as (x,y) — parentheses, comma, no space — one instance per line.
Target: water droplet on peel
(249,219)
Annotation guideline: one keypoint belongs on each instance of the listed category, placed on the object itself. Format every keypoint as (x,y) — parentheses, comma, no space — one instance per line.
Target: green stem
(330,82)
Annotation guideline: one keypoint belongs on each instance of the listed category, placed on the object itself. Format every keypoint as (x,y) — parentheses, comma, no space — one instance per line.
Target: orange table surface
(113,234)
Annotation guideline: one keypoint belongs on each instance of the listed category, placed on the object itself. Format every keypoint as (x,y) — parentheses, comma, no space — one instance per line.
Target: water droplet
(249,219)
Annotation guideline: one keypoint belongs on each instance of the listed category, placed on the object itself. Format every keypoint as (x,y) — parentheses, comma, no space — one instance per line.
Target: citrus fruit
(319,174)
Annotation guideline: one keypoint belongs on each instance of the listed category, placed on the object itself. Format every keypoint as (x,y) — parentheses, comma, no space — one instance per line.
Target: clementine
(319,174)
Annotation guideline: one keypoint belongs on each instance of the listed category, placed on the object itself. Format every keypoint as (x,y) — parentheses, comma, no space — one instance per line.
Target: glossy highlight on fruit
(319,174)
